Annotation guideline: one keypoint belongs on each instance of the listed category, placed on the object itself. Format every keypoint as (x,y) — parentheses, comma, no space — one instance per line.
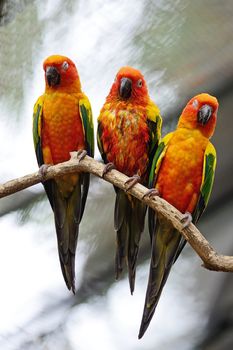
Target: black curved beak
(125,89)
(204,114)
(52,75)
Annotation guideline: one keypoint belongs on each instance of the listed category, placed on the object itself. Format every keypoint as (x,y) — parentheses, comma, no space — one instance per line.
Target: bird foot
(186,219)
(153,192)
(43,171)
(133,180)
(81,154)
(107,168)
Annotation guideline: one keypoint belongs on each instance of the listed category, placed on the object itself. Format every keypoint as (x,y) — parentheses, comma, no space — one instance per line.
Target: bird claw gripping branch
(43,171)
(152,192)
(186,219)
(108,167)
(133,180)
(81,154)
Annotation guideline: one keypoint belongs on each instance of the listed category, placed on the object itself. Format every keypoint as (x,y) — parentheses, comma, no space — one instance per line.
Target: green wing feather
(99,142)
(154,128)
(157,159)
(87,122)
(36,129)
(154,121)
(88,128)
(207,181)
(156,163)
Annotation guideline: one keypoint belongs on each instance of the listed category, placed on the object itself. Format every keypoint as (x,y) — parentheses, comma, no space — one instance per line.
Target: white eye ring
(139,83)
(65,65)
(195,104)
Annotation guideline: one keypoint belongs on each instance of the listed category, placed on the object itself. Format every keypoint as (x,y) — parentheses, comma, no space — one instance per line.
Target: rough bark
(211,260)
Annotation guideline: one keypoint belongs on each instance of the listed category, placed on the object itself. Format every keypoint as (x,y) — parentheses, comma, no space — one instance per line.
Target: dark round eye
(65,65)
(139,83)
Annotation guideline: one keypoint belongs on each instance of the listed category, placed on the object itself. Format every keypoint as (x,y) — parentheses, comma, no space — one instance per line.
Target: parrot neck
(65,87)
(206,130)
(132,101)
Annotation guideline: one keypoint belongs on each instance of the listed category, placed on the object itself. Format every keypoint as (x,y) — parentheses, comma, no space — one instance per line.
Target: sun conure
(129,128)
(62,122)
(183,173)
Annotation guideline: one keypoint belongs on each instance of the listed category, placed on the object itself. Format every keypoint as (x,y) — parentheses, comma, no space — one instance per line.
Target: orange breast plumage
(180,175)
(125,139)
(62,130)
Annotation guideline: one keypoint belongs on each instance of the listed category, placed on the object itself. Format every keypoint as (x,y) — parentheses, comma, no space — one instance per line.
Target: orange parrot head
(200,113)
(61,74)
(129,85)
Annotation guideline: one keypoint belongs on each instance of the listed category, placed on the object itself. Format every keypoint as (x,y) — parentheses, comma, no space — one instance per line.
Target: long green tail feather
(129,223)
(68,213)
(165,243)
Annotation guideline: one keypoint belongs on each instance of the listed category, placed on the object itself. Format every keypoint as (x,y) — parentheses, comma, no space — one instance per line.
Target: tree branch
(211,260)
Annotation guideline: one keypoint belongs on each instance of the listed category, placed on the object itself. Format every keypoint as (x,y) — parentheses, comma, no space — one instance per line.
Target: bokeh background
(183,47)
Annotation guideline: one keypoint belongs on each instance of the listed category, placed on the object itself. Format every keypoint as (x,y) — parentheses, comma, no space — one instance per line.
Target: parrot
(62,123)
(129,128)
(182,173)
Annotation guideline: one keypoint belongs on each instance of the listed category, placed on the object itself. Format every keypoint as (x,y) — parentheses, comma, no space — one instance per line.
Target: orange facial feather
(70,81)
(139,90)
(188,117)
